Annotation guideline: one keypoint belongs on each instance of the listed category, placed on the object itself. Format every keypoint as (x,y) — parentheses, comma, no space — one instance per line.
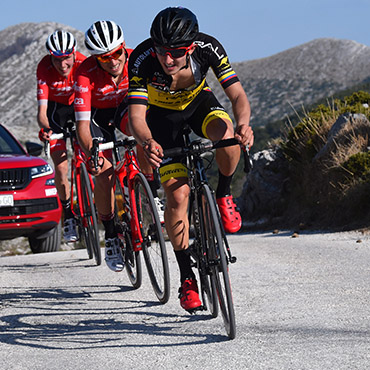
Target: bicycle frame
(77,159)
(127,168)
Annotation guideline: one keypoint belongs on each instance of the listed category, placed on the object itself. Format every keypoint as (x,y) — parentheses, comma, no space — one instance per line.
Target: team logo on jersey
(79,101)
(224,63)
(136,81)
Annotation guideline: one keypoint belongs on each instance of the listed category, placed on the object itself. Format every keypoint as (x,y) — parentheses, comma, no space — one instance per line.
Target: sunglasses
(60,54)
(106,58)
(173,53)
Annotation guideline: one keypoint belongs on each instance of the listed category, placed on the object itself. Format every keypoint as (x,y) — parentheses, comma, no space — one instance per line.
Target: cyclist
(55,78)
(167,77)
(100,107)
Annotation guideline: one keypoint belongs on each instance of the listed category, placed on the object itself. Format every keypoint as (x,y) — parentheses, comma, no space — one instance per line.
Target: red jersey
(95,88)
(52,86)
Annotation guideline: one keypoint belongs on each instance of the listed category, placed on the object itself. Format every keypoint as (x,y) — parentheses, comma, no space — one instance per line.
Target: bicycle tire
(154,245)
(89,214)
(82,234)
(199,253)
(132,258)
(218,261)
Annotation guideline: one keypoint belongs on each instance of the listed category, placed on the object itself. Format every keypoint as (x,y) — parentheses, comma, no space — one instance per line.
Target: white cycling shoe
(160,209)
(70,231)
(113,254)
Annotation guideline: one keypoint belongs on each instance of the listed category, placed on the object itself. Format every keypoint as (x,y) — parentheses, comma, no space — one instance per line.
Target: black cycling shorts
(166,127)
(58,116)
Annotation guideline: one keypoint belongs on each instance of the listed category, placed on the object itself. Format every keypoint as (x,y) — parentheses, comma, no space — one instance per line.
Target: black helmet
(174,27)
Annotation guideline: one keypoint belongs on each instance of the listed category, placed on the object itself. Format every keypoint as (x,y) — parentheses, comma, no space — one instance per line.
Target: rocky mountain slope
(292,78)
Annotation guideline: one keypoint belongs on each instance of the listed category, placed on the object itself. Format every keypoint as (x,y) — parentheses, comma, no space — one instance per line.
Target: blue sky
(247,29)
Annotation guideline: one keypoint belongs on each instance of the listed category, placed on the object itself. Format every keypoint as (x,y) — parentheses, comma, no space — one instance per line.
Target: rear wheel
(89,215)
(218,261)
(153,246)
(132,258)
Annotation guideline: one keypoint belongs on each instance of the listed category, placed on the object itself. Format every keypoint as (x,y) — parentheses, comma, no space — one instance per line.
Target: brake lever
(248,164)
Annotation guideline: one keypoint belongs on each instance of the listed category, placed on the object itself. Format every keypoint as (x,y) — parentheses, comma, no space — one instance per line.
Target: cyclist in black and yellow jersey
(168,89)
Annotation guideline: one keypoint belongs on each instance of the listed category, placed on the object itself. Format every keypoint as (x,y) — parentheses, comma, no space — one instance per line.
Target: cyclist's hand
(153,152)
(44,134)
(244,135)
(90,166)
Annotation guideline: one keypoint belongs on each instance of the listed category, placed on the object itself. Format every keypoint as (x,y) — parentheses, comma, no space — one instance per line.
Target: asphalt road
(301,303)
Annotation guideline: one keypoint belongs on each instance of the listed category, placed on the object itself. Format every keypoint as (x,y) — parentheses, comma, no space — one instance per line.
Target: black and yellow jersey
(149,84)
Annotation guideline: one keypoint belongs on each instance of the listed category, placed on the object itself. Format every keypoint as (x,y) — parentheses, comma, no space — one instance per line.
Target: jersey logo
(79,101)
(202,45)
(224,62)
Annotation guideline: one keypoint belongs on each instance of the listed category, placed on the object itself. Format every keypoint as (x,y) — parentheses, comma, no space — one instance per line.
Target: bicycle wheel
(132,258)
(153,246)
(218,261)
(198,252)
(89,216)
(82,234)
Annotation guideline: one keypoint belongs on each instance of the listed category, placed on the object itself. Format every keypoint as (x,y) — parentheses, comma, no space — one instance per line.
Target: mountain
(300,76)
(292,78)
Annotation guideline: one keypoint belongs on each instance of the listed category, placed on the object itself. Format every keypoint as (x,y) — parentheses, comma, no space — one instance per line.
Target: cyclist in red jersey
(55,95)
(168,73)
(101,107)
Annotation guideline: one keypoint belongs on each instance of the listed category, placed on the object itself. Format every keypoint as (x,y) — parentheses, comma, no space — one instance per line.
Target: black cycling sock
(66,204)
(110,228)
(153,188)
(223,187)
(183,260)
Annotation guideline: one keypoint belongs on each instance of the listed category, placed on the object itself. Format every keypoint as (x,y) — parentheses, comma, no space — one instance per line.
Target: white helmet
(103,36)
(61,43)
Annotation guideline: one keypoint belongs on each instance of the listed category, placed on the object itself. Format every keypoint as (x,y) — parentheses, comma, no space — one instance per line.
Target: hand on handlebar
(95,163)
(44,134)
(244,135)
(153,152)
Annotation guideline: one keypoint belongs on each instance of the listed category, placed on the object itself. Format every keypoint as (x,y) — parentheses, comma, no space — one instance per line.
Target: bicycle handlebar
(98,147)
(198,147)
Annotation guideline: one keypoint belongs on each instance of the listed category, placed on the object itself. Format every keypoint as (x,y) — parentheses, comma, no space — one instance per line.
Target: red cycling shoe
(231,218)
(189,297)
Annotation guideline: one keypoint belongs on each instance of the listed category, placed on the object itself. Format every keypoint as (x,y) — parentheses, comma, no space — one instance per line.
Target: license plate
(6,200)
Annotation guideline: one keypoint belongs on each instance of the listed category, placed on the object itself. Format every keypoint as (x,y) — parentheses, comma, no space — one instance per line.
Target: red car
(29,203)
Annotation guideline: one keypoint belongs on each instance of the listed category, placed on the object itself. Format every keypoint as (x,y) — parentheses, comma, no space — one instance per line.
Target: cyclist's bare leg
(176,220)
(103,192)
(227,158)
(60,161)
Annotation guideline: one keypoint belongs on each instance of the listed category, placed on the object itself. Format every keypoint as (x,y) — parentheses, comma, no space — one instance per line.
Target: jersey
(95,88)
(51,86)
(149,84)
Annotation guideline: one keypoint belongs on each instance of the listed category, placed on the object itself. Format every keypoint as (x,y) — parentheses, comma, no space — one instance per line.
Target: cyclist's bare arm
(140,130)
(242,113)
(84,136)
(42,120)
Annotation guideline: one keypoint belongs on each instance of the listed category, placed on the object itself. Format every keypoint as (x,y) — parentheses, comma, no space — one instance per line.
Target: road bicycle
(137,219)
(81,195)
(209,248)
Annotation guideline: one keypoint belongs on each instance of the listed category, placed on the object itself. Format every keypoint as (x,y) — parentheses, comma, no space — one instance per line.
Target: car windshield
(7,143)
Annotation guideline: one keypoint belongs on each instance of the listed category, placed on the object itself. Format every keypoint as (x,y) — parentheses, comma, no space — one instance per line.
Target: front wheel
(132,258)
(217,260)
(89,217)
(153,245)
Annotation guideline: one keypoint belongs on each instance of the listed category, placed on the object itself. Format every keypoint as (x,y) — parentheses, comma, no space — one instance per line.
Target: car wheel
(49,244)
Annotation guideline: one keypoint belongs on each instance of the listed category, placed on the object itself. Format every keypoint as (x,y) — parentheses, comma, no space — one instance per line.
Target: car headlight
(40,171)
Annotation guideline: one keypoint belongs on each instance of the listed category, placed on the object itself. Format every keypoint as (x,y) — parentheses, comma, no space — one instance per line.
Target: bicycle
(209,251)
(137,219)
(81,195)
